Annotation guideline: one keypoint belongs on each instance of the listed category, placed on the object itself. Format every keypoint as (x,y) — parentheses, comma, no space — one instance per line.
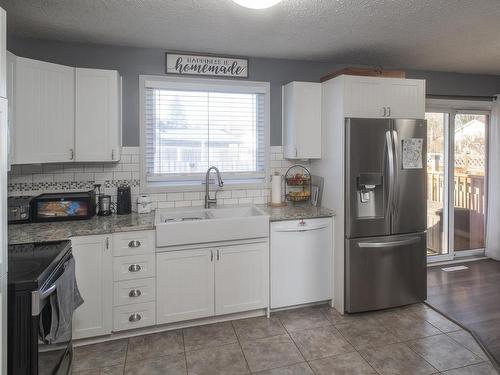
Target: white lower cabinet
(241,274)
(134,287)
(184,285)
(94,263)
(198,283)
(138,315)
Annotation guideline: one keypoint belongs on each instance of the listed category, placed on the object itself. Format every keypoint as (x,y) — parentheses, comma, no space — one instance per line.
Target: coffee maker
(123,200)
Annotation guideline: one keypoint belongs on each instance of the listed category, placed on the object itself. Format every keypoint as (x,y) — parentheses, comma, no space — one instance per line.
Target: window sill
(165,187)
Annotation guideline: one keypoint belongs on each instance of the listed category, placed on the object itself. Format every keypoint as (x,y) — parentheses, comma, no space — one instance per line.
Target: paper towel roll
(276,189)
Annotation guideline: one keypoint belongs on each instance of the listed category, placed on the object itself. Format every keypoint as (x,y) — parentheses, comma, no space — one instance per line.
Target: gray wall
(131,62)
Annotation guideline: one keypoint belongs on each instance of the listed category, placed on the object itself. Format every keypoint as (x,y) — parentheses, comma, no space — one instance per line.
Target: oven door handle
(39,299)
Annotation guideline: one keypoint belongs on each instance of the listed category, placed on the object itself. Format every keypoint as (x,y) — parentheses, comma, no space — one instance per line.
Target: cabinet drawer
(134,291)
(133,243)
(133,267)
(134,316)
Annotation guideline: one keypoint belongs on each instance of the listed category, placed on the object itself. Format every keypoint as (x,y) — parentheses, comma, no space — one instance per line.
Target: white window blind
(188,130)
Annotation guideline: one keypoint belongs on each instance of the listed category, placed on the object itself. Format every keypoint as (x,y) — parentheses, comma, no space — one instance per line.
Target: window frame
(173,184)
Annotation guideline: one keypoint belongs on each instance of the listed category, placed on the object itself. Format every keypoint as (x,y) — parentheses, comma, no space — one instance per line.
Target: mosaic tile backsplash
(49,178)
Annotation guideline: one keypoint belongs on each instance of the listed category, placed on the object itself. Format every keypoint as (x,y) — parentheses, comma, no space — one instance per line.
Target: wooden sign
(204,65)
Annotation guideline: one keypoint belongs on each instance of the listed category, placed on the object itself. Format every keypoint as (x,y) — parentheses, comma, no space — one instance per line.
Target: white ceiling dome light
(257,4)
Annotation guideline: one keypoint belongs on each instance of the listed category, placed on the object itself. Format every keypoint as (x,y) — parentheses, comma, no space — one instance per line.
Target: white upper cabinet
(405,98)
(44,98)
(380,97)
(62,114)
(362,97)
(302,120)
(97,116)
(3,50)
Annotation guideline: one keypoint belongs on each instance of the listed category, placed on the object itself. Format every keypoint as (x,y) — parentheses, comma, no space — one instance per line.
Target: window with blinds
(190,127)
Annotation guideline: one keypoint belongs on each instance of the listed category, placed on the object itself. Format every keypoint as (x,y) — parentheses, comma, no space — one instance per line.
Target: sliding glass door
(456,182)
(469,195)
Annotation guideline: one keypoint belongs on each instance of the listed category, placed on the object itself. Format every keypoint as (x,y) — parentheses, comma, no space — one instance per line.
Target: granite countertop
(294,212)
(56,231)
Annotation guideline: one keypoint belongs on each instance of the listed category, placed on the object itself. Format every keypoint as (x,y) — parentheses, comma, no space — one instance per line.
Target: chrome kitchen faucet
(209,200)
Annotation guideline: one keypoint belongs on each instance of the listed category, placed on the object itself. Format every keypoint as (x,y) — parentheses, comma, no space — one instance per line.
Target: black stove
(34,269)
(31,264)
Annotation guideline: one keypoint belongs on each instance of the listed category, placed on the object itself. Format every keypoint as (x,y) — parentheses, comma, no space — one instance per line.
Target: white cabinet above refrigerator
(381,97)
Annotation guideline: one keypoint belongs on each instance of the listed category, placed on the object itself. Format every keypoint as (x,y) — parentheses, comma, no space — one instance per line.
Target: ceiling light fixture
(257,4)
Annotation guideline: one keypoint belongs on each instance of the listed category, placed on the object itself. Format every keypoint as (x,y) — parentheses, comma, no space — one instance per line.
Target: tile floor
(313,340)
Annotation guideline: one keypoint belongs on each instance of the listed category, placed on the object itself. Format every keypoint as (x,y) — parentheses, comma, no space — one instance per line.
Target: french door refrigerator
(385,213)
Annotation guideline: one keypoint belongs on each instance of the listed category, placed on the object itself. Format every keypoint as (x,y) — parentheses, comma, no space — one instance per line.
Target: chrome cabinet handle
(134,268)
(385,111)
(113,154)
(107,242)
(134,293)
(389,111)
(134,243)
(72,154)
(218,254)
(296,152)
(211,255)
(134,318)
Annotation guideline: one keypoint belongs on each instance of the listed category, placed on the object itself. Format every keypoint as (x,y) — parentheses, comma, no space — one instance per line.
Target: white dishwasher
(301,261)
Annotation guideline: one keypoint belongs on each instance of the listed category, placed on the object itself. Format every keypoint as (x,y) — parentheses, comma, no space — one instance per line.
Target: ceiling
(443,35)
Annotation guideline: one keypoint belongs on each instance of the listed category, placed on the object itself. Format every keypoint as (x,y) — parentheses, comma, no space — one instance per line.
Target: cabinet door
(364,97)
(94,277)
(185,285)
(97,115)
(405,98)
(44,96)
(3,186)
(3,51)
(302,120)
(11,66)
(241,278)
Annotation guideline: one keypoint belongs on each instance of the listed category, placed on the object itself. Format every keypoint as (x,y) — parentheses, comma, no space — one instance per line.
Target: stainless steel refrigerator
(385,213)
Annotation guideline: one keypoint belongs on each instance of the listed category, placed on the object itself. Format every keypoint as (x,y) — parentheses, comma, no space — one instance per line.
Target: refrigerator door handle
(390,158)
(405,242)
(396,172)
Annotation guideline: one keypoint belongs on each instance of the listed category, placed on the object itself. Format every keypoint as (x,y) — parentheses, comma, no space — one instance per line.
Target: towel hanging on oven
(56,322)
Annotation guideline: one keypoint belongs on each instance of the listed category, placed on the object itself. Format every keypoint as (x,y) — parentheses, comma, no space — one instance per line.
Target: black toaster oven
(63,206)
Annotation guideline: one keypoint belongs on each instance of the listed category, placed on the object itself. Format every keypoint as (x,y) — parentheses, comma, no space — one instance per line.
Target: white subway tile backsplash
(159,197)
(130,167)
(165,204)
(35,179)
(43,177)
(238,194)
(222,194)
(64,177)
(192,195)
(31,168)
(182,204)
(125,158)
(198,203)
(122,175)
(84,176)
(175,196)
(94,168)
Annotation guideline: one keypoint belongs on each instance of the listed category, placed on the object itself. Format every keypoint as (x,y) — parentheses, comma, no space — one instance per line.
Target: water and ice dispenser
(370,195)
